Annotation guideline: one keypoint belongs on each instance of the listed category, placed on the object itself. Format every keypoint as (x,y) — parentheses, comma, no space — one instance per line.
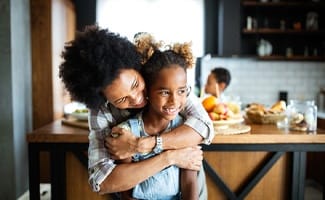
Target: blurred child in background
(218,80)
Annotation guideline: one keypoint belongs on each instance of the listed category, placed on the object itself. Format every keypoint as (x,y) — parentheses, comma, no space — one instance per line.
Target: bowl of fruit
(80,114)
(222,114)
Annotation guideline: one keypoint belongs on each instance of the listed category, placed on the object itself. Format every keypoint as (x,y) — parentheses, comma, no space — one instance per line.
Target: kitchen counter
(60,139)
(265,163)
(270,134)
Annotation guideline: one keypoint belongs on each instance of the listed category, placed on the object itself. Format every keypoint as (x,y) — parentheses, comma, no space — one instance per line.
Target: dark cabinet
(295,29)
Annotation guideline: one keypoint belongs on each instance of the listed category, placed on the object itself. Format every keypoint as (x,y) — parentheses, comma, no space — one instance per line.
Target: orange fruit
(209,103)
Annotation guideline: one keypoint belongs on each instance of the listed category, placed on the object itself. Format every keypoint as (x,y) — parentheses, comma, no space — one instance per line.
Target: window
(167,20)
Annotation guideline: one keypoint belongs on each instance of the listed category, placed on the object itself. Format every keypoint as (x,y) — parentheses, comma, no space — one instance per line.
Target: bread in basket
(259,114)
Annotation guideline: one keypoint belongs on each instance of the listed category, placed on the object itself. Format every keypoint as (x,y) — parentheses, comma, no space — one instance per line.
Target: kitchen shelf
(291,16)
(282,4)
(294,57)
(279,31)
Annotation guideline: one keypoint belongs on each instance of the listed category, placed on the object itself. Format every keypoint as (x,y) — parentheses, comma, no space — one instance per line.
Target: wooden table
(59,139)
(268,138)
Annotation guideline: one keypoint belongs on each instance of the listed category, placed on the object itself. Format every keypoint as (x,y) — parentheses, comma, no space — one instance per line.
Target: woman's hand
(121,143)
(187,158)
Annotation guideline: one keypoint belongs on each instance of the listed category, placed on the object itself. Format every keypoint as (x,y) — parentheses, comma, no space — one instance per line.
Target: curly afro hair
(92,61)
(154,59)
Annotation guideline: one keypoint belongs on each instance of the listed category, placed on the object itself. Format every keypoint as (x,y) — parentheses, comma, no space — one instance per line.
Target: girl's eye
(164,93)
(182,91)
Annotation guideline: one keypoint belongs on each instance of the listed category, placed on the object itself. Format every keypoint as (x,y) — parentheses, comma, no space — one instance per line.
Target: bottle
(306,52)
(249,23)
(302,115)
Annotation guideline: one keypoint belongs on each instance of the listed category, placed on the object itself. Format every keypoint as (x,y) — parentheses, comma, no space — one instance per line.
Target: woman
(101,69)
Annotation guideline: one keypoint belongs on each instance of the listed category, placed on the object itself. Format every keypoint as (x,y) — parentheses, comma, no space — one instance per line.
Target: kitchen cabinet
(295,29)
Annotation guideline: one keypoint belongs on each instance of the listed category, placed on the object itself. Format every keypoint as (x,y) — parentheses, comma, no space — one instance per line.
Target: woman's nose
(135,97)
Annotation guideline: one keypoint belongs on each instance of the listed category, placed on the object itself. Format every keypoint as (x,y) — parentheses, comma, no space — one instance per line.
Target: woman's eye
(122,100)
(136,84)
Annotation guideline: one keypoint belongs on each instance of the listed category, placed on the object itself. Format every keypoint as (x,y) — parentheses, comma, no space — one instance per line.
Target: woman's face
(168,93)
(127,90)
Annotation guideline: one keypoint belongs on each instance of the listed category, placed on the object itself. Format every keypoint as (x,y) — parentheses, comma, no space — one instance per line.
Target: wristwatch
(158,148)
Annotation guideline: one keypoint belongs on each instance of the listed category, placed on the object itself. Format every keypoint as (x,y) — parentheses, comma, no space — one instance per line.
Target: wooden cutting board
(76,123)
(233,129)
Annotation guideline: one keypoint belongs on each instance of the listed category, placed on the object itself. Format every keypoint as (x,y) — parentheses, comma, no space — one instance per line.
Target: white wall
(261,81)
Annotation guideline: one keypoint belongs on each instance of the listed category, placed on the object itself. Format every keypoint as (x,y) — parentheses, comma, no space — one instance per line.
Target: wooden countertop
(56,132)
(270,134)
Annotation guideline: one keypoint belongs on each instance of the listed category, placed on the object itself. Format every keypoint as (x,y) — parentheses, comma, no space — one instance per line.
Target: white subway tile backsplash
(261,81)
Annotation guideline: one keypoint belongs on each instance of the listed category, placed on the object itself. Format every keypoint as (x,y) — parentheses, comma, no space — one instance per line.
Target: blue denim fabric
(164,185)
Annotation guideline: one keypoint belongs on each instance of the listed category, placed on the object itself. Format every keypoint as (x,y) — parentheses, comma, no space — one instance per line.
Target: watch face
(156,150)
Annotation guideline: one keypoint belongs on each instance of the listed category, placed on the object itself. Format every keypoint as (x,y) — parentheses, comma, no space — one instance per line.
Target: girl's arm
(189,184)
(126,195)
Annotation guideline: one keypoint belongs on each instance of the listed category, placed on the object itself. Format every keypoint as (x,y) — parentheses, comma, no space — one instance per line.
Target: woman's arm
(100,164)
(197,128)
(105,175)
(135,173)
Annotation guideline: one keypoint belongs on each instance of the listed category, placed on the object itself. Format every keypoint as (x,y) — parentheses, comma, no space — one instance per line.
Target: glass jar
(302,115)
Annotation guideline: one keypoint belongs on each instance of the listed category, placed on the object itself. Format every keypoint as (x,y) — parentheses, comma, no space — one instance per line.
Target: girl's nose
(172,98)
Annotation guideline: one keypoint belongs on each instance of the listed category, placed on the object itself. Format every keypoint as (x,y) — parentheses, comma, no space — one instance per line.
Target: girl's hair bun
(146,45)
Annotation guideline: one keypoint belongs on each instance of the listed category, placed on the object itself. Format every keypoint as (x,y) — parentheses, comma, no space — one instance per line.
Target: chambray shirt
(101,121)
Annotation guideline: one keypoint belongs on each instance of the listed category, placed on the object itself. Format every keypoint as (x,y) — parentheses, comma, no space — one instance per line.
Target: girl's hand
(187,158)
(121,143)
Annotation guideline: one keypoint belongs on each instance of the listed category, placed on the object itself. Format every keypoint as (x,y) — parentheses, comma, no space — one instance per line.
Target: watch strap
(159,142)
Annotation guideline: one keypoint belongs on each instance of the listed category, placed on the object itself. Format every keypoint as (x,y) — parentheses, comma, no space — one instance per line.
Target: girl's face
(168,94)
(127,90)
(211,85)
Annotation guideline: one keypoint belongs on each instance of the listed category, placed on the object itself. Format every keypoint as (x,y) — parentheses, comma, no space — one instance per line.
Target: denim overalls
(165,185)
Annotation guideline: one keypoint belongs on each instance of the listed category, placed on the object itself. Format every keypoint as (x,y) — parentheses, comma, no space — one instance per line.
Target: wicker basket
(265,118)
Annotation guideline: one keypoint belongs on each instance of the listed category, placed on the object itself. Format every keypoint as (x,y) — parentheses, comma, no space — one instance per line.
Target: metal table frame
(58,174)
(298,166)
(57,164)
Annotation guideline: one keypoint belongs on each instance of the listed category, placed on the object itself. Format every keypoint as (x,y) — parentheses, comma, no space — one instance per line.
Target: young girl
(165,76)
